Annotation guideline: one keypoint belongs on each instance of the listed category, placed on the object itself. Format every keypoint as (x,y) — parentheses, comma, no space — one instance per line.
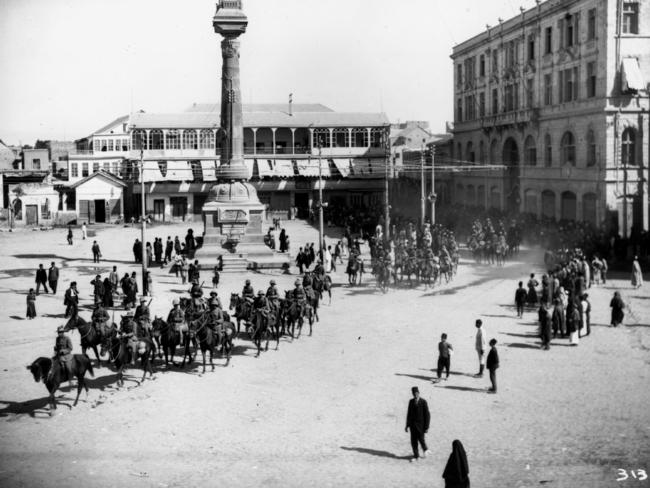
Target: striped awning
(632,78)
(284,168)
(343,166)
(309,168)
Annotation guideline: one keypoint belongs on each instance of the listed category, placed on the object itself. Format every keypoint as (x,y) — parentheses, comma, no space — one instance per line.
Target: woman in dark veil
(456,472)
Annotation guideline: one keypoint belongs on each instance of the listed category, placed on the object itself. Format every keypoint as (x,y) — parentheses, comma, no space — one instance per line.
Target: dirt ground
(327,410)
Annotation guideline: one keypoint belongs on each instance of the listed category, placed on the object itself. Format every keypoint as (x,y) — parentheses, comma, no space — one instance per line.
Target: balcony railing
(278,150)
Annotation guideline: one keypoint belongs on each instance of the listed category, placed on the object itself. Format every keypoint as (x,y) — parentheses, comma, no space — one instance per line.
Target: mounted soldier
(100,319)
(215,296)
(62,353)
(143,317)
(307,280)
(215,320)
(196,291)
(299,296)
(128,332)
(273,296)
(319,271)
(248,293)
(260,306)
(176,318)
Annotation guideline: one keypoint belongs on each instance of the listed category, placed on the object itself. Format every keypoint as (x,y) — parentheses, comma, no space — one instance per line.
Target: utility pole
(320,203)
(144,224)
(422,196)
(433,187)
(386,197)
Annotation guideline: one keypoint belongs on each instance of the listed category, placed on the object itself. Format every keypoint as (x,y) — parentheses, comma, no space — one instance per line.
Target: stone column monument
(233,215)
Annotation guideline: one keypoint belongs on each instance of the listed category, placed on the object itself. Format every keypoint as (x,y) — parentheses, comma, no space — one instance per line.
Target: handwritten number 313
(638,474)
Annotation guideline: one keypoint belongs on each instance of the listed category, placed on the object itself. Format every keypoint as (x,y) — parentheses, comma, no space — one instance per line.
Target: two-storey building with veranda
(559,95)
(287,149)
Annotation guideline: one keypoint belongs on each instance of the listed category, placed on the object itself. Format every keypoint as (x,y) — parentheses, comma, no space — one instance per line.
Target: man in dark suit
(41,279)
(53,277)
(417,420)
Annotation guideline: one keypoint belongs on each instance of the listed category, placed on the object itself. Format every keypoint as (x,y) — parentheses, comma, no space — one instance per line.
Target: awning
(179,171)
(632,79)
(284,168)
(309,167)
(209,169)
(343,166)
(265,167)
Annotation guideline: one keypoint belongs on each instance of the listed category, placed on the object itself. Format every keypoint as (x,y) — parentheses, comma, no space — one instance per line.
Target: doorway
(159,210)
(511,176)
(31,214)
(179,208)
(100,211)
(302,204)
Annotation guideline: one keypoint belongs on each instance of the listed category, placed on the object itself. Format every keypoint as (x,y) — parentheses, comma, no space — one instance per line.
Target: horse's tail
(89,365)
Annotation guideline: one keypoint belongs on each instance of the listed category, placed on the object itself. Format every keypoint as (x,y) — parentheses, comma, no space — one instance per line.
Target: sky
(68,67)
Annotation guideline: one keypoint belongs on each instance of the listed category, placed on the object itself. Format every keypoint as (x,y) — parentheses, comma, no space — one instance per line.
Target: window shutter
(560,26)
(560,86)
(576,82)
(576,28)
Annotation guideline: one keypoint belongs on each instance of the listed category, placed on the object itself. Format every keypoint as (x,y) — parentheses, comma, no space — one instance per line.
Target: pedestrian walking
(114,278)
(71,300)
(158,250)
(532,290)
(107,300)
(332,260)
(96,252)
(493,365)
(637,275)
(617,306)
(70,235)
(84,231)
(545,323)
(444,356)
(520,299)
(98,289)
(41,279)
(480,343)
(585,307)
(149,253)
(456,473)
(573,322)
(149,283)
(31,304)
(177,245)
(137,251)
(169,249)
(215,277)
(184,270)
(604,270)
(53,277)
(417,421)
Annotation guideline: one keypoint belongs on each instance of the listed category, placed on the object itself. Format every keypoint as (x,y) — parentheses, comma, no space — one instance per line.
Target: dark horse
(168,337)
(121,355)
(90,336)
(41,367)
(209,340)
(354,269)
(243,311)
(321,285)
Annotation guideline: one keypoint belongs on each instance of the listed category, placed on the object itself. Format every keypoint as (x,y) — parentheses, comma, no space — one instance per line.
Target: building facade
(558,95)
(286,148)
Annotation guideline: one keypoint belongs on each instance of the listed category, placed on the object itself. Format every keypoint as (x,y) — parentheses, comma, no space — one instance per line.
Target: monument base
(233,219)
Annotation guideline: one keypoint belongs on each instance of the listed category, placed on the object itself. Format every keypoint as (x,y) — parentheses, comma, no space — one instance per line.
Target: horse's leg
(144,359)
(203,354)
(99,363)
(80,385)
(267,334)
(329,292)
(52,401)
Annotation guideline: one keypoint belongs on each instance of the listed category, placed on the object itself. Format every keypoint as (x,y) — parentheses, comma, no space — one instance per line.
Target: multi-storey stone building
(559,96)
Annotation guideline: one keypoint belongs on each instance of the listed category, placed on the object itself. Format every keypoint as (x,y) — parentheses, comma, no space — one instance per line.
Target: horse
(354,269)
(168,339)
(243,311)
(321,285)
(40,369)
(426,272)
(261,331)
(410,267)
(121,356)
(90,336)
(292,314)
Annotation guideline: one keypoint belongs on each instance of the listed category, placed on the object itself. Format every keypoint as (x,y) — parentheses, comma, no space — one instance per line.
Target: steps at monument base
(246,256)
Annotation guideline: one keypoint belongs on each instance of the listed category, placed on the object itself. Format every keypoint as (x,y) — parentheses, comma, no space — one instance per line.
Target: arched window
(189,139)
(173,139)
(589,207)
(628,149)
(156,140)
(469,154)
(591,148)
(568,149)
(568,205)
(206,139)
(481,152)
(139,138)
(530,151)
(548,204)
(548,151)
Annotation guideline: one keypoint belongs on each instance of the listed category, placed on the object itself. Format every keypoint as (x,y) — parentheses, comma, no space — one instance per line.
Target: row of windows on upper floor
(569,36)
(567,89)
(567,150)
(157,139)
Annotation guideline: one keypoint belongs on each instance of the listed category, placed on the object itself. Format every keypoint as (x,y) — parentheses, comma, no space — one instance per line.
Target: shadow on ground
(375,452)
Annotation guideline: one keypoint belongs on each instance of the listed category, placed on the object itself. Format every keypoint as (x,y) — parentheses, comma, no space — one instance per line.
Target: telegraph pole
(386,198)
(433,187)
(144,224)
(422,195)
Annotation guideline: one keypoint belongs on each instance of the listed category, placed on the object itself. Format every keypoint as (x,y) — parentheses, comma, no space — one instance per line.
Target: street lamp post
(433,195)
(422,197)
